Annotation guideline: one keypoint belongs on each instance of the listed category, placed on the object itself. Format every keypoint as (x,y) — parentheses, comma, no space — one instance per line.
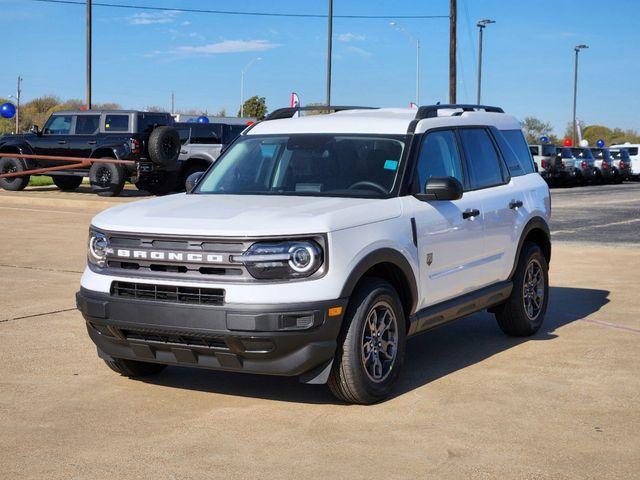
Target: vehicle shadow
(429,356)
(86,189)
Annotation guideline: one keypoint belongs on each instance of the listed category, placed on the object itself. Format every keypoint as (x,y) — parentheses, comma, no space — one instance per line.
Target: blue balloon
(544,139)
(600,143)
(203,119)
(7,110)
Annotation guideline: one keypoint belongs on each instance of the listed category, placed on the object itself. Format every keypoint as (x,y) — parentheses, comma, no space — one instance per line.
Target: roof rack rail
(430,111)
(289,112)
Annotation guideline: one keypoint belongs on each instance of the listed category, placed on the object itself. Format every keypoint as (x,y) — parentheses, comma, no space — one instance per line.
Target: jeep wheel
(158,183)
(523,313)
(371,346)
(164,146)
(66,183)
(132,368)
(107,179)
(12,165)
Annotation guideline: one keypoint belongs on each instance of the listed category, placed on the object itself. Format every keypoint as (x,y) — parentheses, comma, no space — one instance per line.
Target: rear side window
(58,125)
(633,151)
(483,163)
(116,123)
(439,157)
(515,152)
(147,121)
(87,124)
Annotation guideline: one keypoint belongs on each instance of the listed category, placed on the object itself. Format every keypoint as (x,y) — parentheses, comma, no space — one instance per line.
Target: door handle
(92,142)
(470,214)
(515,204)
(62,142)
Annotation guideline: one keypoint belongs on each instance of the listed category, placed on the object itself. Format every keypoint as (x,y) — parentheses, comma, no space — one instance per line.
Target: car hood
(244,215)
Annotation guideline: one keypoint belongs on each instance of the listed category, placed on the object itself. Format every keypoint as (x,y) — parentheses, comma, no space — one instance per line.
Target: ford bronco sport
(316,246)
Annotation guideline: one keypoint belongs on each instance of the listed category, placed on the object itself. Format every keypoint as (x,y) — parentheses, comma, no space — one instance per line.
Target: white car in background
(634,155)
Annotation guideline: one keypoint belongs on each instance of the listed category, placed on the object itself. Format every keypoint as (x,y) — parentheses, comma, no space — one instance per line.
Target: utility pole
(481,25)
(18,94)
(172,103)
(329,45)
(88,54)
(577,49)
(453,13)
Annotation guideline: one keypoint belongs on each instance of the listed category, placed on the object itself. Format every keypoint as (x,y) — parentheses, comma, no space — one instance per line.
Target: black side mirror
(441,188)
(192,181)
(34,129)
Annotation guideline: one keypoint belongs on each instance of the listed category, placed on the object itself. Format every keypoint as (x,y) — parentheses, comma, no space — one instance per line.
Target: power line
(233,12)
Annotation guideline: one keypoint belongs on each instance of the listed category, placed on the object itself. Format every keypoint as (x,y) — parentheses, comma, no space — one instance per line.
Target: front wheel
(523,313)
(107,179)
(371,346)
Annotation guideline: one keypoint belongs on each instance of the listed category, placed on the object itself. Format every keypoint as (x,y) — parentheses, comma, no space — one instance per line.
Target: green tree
(535,128)
(255,107)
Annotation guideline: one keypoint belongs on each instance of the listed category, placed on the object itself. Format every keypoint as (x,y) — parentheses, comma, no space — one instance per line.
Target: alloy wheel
(533,289)
(379,342)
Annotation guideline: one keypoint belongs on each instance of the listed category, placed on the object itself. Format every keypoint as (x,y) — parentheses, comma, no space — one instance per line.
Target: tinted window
(439,157)
(87,124)
(515,152)
(534,150)
(146,121)
(232,131)
(549,150)
(58,125)
(482,159)
(116,123)
(633,150)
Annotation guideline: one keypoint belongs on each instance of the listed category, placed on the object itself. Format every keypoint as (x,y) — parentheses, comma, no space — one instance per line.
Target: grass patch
(40,181)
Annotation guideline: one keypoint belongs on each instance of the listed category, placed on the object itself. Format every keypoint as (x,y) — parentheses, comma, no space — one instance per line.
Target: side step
(467,304)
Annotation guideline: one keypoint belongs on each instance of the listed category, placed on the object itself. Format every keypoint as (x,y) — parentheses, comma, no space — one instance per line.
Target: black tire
(66,183)
(164,146)
(350,380)
(158,183)
(514,316)
(133,368)
(107,179)
(11,165)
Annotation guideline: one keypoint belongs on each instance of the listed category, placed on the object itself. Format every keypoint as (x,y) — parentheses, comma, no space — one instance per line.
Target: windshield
(307,164)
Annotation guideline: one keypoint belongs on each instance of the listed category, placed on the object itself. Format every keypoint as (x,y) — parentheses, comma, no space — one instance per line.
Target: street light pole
(18,94)
(398,27)
(577,49)
(88,54)
(242,73)
(481,25)
(329,48)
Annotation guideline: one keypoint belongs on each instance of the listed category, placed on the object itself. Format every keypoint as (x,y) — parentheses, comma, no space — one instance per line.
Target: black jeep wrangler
(149,139)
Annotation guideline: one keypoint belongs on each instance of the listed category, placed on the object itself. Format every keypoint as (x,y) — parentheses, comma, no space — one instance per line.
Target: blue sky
(141,56)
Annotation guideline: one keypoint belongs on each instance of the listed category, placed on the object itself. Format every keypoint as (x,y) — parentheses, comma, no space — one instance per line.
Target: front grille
(175,338)
(168,293)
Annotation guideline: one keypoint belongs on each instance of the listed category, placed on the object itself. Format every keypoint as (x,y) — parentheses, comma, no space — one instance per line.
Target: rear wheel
(522,315)
(13,165)
(107,179)
(132,368)
(66,183)
(371,346)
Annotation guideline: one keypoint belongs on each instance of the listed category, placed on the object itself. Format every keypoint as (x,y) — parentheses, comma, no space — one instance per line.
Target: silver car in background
(604,169)
(621,163)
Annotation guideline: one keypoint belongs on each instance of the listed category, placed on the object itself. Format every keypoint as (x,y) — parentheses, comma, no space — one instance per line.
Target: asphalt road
(471,403)
(598,214)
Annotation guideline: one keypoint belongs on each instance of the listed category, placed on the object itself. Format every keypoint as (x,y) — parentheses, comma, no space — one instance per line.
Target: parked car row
(163,152)
(584,165)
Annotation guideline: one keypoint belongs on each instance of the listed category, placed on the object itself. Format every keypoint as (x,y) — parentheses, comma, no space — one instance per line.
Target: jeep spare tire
(164,146)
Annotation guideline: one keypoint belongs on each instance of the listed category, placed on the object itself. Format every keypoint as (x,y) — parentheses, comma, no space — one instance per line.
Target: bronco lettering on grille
(169,256)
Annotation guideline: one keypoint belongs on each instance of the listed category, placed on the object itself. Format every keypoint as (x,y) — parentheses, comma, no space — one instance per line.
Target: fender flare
(383,255)
(112,149)
(23,148)
(535,223)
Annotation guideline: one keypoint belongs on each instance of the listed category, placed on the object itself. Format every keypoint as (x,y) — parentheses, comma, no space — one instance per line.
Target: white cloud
(228,46)
(186,23)
(359,51)
(146,18)
(351,37)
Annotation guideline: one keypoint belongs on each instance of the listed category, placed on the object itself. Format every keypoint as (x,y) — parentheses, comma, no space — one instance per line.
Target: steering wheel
(370,185)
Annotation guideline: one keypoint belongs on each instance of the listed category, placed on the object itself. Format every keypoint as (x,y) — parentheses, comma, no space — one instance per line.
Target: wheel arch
(105,152)
(19,148)
(537,231)
(390,265)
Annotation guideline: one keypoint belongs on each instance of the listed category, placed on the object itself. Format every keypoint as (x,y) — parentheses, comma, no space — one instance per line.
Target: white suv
(315,246)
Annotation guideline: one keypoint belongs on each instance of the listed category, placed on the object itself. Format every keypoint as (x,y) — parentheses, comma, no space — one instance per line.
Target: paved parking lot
(472,403)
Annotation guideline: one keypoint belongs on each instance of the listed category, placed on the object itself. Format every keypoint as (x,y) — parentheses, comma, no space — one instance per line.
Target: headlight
(98,248)
(282,260)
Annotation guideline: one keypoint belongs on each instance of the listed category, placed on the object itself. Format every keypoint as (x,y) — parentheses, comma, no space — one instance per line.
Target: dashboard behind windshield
(308,164)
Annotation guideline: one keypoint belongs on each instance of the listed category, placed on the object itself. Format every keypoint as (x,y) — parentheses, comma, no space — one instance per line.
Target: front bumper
(289,340)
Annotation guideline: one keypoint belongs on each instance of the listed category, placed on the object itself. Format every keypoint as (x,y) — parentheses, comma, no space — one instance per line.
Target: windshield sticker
(391,165)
